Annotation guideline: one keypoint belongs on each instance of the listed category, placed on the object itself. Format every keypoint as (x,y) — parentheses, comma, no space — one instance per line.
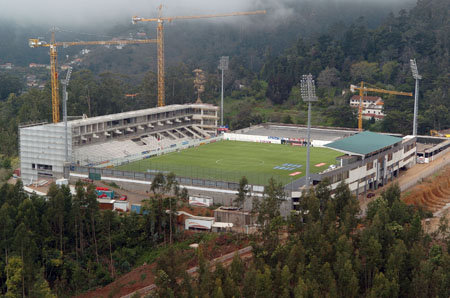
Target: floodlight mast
(223,65)
(65,83)
(308,92)
(417,77)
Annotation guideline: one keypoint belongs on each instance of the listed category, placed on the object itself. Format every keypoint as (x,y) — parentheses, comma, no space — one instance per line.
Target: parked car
(370,195)
(123,198)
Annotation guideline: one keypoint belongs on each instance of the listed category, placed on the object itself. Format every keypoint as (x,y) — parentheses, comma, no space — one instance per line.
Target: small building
(6,66)
(234,215)
(372,106)
(200,201)
(35,65)
(105,204)
(121,206)
(199,223)
(202,223)
(429,148)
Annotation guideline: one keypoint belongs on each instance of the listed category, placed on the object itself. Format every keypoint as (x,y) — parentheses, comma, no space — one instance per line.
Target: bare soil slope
(432,194)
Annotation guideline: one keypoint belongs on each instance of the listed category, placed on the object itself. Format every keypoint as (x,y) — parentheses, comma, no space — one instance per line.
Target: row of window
(339,177)
(409,147)
(41,167)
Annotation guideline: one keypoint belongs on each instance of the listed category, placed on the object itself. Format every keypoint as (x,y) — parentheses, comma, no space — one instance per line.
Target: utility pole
(65,83)
(223,65)
(308,91)
(417,77)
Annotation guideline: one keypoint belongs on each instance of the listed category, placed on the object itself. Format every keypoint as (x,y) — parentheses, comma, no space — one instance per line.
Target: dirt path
(127,283)
(244,253)
(142,278)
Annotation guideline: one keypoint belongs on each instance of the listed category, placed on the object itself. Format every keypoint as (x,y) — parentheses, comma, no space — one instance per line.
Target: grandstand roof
(297,131)
(136,113)
(363,143)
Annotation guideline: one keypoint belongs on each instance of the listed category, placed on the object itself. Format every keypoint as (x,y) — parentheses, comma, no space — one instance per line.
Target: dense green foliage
(66,244)
(265,68)
(379,57)
(330,251)
(230,160)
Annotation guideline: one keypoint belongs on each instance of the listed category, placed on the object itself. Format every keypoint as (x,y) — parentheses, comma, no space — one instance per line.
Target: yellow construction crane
(363,89)
(34,43)
(160,37)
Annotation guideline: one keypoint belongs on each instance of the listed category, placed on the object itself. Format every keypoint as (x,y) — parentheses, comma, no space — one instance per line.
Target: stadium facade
(369,159)
(94,140)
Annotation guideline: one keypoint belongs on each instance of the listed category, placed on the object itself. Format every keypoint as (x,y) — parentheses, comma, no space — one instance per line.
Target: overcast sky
(70,12)
(66,13)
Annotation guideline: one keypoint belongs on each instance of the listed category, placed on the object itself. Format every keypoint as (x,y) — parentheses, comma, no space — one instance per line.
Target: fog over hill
(107,12)
(284,22)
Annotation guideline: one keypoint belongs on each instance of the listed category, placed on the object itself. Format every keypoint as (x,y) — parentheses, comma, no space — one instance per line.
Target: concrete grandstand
(98,140)
(318,133)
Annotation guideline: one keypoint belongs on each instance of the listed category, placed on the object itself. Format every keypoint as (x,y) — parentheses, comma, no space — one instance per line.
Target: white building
(372,106)
(370,160)
(100,139)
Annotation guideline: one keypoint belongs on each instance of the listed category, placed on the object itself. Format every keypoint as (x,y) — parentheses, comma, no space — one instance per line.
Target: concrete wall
(237,218)
(42,145)
(251,138)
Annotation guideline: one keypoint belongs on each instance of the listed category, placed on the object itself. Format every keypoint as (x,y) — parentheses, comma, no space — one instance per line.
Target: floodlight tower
(308,91)
(417,77)
(65,83)
(223,65)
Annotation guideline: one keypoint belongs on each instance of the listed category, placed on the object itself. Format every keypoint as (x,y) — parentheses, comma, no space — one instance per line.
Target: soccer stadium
(230,160)
(185,139)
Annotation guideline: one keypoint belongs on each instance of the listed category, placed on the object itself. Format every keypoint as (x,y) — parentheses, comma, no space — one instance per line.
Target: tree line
(326,249)
(63,244)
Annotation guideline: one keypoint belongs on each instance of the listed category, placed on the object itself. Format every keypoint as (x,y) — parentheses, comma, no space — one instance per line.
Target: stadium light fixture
(417,77)
(223,65)
(308,92)
(65,83)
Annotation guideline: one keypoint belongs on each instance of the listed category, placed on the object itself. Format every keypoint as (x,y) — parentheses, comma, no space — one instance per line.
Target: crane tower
(35,42)
(160,37)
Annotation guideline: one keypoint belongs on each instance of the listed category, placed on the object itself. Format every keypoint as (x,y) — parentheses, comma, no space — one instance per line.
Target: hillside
(268,57)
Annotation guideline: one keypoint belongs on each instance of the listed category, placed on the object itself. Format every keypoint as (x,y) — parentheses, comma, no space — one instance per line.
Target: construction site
(256,156)
(103,147)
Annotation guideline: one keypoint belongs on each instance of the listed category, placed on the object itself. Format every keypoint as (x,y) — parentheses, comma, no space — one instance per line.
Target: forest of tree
(330,251)
(64,244)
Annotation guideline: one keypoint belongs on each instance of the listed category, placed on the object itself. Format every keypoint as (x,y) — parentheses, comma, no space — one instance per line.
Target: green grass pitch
(230,160)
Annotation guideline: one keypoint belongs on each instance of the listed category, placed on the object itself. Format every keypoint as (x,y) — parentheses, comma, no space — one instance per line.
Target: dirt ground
(127,283)
(143,276)
(433,194)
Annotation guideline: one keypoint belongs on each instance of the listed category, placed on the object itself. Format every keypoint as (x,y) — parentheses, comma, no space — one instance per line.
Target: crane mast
(160,37)
(54,79)
(161,67)
(363,89)
(35,42)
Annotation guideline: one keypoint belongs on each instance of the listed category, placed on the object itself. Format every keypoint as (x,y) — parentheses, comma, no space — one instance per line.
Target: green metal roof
(363,143)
